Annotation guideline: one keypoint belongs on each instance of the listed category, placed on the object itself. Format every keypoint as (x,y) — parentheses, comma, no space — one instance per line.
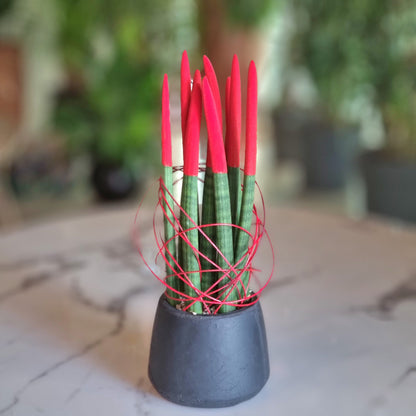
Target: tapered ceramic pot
(208,360)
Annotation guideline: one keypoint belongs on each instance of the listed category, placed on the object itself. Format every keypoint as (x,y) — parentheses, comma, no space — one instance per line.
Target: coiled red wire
(229,279)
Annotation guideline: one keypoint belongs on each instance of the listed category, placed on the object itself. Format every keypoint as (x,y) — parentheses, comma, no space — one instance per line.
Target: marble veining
(405,291)
(77,307)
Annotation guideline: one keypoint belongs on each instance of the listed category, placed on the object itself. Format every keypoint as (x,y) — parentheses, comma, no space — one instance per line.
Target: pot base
(208,360)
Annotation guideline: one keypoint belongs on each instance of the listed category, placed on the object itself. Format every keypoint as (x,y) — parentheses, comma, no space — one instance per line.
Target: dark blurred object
(112,181)
(391,185)
(328,154)
(39,170)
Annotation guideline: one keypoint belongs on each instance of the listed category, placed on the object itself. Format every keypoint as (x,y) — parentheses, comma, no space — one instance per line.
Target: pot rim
(163,302)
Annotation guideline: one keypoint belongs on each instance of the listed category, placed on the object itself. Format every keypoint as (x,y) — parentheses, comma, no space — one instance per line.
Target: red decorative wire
(213,298)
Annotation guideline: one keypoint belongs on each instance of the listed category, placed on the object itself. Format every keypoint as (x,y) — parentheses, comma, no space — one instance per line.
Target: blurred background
(80,85)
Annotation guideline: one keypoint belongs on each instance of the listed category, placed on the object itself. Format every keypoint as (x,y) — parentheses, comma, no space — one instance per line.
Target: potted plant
(107,108)
(322,47)
(112,122)
(390,171)
(208,345)
(362,61)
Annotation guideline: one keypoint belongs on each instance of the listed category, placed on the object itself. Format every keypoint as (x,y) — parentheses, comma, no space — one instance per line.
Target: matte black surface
(208,360)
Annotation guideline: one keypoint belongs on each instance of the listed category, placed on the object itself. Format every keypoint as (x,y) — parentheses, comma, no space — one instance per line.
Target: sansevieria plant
(209,247)
(216,355)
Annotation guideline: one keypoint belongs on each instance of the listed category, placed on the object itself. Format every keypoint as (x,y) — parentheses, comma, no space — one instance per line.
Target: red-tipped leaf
(193,127)
(216,144)
(251,122)
(197,78)
(232,146)
(213,82)
(166,133)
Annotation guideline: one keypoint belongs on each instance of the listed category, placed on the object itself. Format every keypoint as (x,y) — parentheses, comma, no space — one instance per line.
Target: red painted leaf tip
(213,82)
(193,127)
(197,77)
(234,117)
(235,59)
(251,121)
(166,133)
(185,90)
(216,144)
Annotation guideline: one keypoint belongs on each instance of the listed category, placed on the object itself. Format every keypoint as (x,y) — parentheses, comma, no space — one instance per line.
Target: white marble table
(77,306)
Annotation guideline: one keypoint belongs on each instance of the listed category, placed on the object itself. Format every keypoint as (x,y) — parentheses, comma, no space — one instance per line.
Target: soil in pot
(208,360)
(390,185)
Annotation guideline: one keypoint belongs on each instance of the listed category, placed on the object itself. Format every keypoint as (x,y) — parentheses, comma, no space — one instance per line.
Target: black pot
(390,186)
(112,181)
(208,360)
(329,155)
(288,127)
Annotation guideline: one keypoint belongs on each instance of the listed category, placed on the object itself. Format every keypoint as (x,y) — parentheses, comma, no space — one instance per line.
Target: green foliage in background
(248,13)
(362,48)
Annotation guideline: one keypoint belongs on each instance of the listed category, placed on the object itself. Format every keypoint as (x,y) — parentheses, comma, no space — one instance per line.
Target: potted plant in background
(112,122)
(208,344)
(390,172)
(324,136)
(361,59)
(108,106)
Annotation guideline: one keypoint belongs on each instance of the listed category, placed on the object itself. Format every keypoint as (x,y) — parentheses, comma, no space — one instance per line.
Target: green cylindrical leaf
(246,216)
(170,251)
(189,261)
(224,237)
(208,217)
(235,196)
